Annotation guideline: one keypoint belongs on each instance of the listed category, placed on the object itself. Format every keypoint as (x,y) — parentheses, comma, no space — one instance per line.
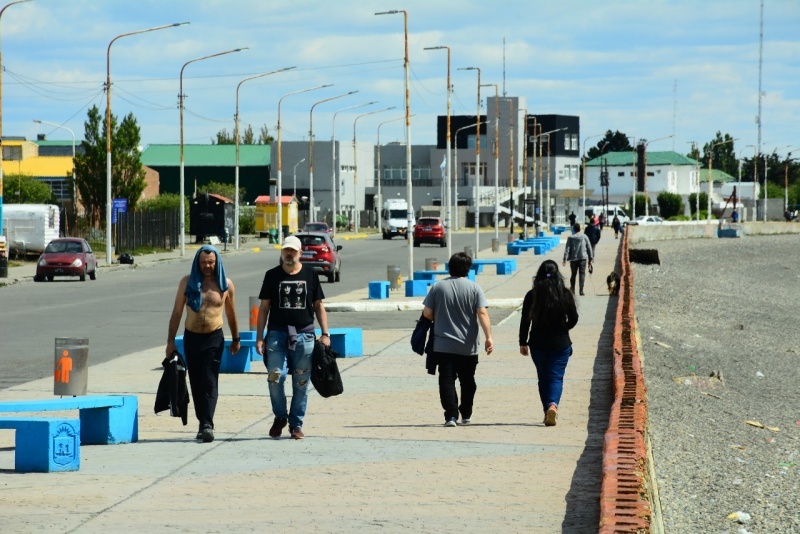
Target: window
(570,141)
(621,173)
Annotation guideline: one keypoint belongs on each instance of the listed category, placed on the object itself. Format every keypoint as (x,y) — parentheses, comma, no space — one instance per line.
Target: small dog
(612,280)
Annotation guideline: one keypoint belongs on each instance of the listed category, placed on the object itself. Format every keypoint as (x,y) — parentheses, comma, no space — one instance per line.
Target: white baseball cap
(293,243)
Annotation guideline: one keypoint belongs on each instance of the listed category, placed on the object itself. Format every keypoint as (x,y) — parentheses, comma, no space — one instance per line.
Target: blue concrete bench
(418,288)
(431,275)
(105,419)
(378,289)
(44,445)
(348,342)
(558,229)
(504,266)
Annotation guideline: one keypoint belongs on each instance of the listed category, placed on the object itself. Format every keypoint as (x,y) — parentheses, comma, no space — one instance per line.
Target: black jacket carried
(172,393)
(421,346)
(325,371)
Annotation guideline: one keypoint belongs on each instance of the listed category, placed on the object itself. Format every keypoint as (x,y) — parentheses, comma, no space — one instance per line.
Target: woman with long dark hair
(548,314)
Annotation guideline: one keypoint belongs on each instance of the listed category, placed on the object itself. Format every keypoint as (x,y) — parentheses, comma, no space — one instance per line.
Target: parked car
(66,256)
(317,227)
(645,220)
(430,230)
(320,252)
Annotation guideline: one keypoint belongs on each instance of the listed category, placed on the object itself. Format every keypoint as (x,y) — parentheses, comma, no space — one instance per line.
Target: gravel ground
(725,306)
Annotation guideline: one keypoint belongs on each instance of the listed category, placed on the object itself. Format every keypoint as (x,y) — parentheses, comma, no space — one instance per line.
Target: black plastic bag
(325,371)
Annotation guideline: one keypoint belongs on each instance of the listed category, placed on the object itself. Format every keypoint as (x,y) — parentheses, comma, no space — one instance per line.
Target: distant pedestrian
(578,251)
(572,217)
(291,296)
(205,293)
(601,221)
(593,233)
(616,225)
(735,216)
(787,215)
(548,314)
(457,307)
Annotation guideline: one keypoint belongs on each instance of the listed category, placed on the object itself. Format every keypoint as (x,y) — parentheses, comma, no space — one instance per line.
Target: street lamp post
(355,165)
(455,162)
(646,193)
(333,162)
(409,191)
(236,141)
(74,185)
(1,119)
(279,185)
(739,188)
(477,160)
(710,181)
(294,182)
(312,205)
(109,133)
(786,180)
(583,195)
(181,97)
(546,134)
(496,161)
(448,167)
(380,173)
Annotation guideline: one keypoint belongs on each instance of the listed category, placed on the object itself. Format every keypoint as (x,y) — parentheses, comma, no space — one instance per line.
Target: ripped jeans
(279,361)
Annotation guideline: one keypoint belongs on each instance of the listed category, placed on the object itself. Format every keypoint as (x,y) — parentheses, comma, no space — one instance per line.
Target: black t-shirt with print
(291,296)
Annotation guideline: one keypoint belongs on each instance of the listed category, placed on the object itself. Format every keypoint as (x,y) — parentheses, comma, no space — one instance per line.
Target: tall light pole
(646,193)
(583,194)
(1,118)
(181,97)
(766,164)
(74,185)
(311,151)
(279,185)
(236,141)
(355,164)
(333,161)
(380,173)
(294,182)
(409,190)
(448,167)
(739,188)
(547,134)
(525,173)
(786,180)
(455,162)
(477,160)
(109,133)
(710,181)
(497,160)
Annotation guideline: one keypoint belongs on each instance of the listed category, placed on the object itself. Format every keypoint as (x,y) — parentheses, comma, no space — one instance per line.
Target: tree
(612,142)
(640,203)
(25,189)
(226,190)
(669,205)
(693,201)
(722,149)
(127,174)
(247,137)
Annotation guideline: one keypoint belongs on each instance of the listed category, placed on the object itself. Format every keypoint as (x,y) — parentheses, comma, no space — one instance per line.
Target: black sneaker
(199,435)
(208,434)
(277,427)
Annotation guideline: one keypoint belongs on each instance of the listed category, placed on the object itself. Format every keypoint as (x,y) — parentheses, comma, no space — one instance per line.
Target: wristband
(236,340)
(325,334)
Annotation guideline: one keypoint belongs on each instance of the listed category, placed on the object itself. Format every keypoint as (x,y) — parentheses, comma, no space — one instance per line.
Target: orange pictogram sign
(63,367)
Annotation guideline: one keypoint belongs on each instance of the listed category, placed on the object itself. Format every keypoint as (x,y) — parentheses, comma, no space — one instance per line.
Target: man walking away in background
(578,252)
(457,307)
(593,233)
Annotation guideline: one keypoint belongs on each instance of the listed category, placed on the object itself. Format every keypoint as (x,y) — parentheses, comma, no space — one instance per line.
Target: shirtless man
(204,294)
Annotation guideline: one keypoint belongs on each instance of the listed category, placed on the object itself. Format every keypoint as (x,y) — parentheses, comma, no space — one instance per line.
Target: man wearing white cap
(291,296)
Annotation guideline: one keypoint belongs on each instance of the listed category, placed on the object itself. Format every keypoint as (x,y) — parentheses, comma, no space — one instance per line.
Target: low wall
(692,230)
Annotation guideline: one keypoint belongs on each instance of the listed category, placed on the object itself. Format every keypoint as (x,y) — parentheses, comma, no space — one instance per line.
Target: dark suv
(320,252)
(430,230)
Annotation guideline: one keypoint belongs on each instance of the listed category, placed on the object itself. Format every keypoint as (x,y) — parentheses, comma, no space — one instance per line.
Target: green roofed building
(211,163)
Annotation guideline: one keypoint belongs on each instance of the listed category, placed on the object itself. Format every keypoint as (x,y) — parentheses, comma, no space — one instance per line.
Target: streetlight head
(37,121)
(392,12)
(435,48)
(241,49)
(467,68)
(180,24)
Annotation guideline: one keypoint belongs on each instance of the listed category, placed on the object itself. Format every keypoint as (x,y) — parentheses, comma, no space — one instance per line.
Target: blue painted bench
(105,419)
(504,266)
(44,445)
(431,275)
(378,289)
(348,342)
(418,288)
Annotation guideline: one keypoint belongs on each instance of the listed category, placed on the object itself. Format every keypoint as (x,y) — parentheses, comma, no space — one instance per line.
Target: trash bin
(495,245)
(71,366)
(255,303)
(394,277)
(3,264)
(468,252)
(286,232)
(431,264)
(273,235)
(512,237)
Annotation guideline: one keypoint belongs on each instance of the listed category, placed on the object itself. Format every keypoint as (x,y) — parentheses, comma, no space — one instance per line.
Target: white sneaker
(451,422)
(465,421)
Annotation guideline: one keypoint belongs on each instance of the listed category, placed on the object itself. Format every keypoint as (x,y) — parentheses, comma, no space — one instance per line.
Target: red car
(320,252)
(430,230)
(317,227)
(66,256)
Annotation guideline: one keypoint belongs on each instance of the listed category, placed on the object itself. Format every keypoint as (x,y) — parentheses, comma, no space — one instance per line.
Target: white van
(613,209)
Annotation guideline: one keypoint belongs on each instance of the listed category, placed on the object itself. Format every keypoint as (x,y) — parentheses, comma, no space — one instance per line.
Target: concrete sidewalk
(375,458)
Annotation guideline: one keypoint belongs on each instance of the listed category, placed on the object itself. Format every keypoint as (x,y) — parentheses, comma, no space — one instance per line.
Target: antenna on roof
(504,66)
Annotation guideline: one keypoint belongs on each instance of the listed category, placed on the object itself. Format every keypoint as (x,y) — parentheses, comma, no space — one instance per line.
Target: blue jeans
(280,361)
(550,368)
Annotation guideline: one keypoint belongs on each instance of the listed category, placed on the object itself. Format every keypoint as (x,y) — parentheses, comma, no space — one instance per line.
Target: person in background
(593,233)
(572,217)
(578,251)
(601,221)
(457,307)
(548,314)
(735,216)
(205,293)
(291,296)
(616,225)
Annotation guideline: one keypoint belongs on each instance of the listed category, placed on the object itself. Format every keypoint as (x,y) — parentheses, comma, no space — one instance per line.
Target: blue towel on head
(194,296)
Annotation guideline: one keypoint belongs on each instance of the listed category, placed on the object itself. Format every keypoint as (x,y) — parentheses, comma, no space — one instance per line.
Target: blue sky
(641,67)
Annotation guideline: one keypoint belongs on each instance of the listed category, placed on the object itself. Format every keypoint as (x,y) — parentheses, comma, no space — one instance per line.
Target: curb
(406,305)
